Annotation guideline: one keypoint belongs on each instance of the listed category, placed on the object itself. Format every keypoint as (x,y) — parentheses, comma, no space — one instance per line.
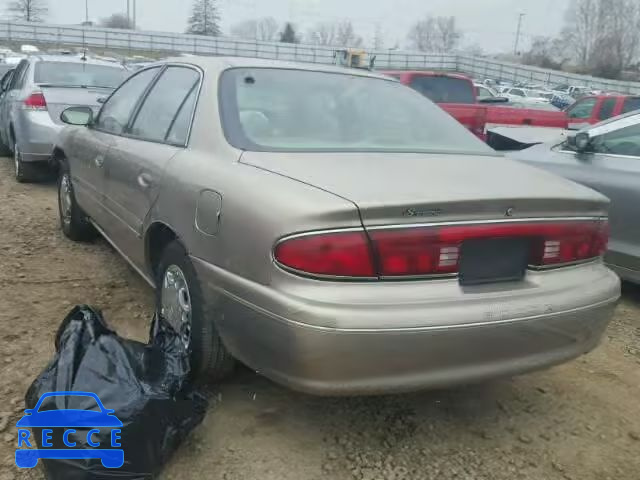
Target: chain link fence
(163,44)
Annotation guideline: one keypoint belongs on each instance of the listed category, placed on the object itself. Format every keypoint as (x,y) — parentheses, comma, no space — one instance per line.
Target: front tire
(180,301)
(73,220)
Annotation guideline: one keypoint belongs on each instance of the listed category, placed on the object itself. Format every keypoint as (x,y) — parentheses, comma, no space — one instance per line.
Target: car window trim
(175,117)
(127,131)
(139,72)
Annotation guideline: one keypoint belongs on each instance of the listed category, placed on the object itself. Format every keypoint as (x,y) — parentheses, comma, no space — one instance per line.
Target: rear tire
(209,358)
(73,221)
(25,172)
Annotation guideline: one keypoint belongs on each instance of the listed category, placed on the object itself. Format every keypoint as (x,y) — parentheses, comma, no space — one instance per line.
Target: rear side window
(631,104)
(18,76)
(517,92)
(79,74)
(606,109)
(179,132)
(444,89)
(164,102)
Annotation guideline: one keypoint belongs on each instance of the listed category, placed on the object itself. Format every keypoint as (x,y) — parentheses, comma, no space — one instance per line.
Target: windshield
(299,110)
(79,74)
(442,89)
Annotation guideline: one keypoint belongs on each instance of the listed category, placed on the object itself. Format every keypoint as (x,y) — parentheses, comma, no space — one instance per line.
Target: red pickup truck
(596,108)
(457,95)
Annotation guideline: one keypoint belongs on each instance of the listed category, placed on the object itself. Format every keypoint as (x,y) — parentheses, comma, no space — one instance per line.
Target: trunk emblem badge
(412,212)
(509,212)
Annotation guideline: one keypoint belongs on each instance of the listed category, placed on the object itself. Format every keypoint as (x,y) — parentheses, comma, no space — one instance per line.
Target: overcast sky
(491,24)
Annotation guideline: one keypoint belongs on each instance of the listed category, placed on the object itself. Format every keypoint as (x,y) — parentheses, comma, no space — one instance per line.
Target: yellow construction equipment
(353,58)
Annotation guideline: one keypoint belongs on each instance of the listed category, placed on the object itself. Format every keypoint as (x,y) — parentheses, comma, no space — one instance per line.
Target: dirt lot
(579,421)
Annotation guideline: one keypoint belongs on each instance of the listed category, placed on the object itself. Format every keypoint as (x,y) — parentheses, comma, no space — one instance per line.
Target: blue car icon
(70,419)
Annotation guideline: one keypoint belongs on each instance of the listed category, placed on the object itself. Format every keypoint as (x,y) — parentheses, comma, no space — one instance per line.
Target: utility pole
(135,13)
(129,11)
(515,47)
(206,19)
(86,12)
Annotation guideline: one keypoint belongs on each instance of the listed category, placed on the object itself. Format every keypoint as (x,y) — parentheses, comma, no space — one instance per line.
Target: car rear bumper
(490,340)
(36,136)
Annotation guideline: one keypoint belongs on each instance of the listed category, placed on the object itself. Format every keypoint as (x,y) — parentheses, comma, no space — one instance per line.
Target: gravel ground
(578,421)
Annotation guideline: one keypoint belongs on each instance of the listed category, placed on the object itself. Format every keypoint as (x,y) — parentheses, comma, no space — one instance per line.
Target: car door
(581,113)
(137,160)
(88,147)
(612,167)
(613,162)
(4,86)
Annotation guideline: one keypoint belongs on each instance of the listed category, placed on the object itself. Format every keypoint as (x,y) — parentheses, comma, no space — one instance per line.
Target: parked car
(40,88)
(605,157)
(334,230)
(596,108)
(525,96)
(456,94)
(483,91)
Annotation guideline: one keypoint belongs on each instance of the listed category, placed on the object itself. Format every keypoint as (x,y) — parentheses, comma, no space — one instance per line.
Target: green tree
(204,19)
(288,34)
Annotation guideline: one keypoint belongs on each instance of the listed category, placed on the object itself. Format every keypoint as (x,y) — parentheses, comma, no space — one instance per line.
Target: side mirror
(82,116)
(29,411)
(102,100)
(582,141)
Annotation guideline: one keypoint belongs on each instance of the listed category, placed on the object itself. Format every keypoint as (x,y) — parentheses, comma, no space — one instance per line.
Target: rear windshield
(79,74)
(444,89)
(297,110)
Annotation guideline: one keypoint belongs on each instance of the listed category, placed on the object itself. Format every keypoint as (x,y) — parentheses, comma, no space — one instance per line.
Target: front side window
(582,109)
(442,89)
(115,114)
(517,92)
(163,103)
(75,74)
(297,110)
(624,141)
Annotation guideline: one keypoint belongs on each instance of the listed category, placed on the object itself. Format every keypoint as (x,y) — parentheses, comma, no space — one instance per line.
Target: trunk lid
(60,98)
(391,188)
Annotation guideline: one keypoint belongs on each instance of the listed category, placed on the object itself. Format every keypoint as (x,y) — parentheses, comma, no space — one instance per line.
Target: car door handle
(145,180)
(99,161)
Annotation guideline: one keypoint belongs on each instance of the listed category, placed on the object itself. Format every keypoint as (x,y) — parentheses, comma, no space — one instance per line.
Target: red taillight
(35,101)
(344,254)
(435,250)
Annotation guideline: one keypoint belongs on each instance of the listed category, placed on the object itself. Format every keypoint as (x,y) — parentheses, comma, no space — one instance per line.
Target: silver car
(333,229)
(605,157)
(40,88)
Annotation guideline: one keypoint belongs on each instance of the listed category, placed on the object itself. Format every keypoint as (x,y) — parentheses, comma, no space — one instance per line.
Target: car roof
(73,59)
(224,63)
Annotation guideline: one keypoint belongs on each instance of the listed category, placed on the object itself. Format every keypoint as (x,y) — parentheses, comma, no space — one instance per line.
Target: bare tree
(546,52)
(378,38)
(117,20)
(435,34)
(340,34)
(603,35)
(28,10)
(264,29)
(322,34)
(204,19)
(346,35)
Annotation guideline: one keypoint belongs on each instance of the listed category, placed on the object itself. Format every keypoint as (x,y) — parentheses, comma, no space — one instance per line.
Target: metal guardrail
(133,42)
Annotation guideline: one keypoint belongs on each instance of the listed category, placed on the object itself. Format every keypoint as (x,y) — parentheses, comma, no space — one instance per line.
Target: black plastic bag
(146,386)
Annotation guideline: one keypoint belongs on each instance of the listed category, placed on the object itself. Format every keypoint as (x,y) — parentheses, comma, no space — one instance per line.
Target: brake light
(35,101)
(343,254)
(435,250)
